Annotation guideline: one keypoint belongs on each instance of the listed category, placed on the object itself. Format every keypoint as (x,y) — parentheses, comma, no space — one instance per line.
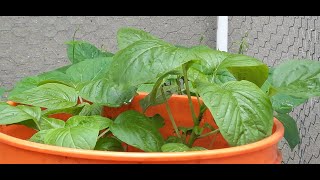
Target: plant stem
(208,134)
(103,133)
(198,99)
(243,44)
(81,100)
(185,76)
(213,140)
(196,122)
(170,114)
(179,85)
(37,123)
(183,138)
(193,137)
(203,108)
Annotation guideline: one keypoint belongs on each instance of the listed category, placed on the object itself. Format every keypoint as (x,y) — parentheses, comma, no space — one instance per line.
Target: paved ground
(29,45)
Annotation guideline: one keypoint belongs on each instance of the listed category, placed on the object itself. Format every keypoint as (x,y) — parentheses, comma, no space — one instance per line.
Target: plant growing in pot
(182,104)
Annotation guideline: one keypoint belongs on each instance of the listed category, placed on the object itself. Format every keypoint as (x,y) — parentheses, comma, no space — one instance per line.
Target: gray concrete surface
(30,45)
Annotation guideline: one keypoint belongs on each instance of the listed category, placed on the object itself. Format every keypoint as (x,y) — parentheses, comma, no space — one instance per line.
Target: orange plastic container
(15,149)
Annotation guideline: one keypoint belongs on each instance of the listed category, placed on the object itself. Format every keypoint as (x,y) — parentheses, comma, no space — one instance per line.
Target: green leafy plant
(242,93)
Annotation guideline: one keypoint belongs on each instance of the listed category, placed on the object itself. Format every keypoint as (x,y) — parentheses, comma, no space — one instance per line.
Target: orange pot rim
(138,156)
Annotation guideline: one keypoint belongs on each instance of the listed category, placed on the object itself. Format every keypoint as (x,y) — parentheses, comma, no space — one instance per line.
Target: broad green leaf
(246,68)
(240,60)
(197,148)
(79,51)
(10,114)
(89,121)
(174,147)
(242,67)
(137,130)
(266,87)
(109,144)
(81,85)
(242,111)
(33,112)
(220,77)
(30,124)
(24,85)
(39,136)
(173,139)
(91,109)
(63,69)
(211,59)
(142,62)
(127,36)
(46,123)
(188,65)
(194,74)
(272,91)
(106,92)
(223,76)
(31,82)
(51,95)
(267,84)
(79,137)
(156,97)
(299,78)
(157,121)
(55,77)
(145,88)
(34,121)
(291,132)
(74,110)
(179,147)
(89,70)
(193,91)
(147,60)
(283,103)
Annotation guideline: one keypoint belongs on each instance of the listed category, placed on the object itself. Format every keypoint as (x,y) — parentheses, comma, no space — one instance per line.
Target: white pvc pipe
(222,33)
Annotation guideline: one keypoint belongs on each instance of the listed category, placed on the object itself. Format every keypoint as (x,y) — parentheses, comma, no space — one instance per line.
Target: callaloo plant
(240,91)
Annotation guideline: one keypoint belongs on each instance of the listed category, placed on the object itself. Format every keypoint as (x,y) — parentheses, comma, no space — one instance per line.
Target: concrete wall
(30,45)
